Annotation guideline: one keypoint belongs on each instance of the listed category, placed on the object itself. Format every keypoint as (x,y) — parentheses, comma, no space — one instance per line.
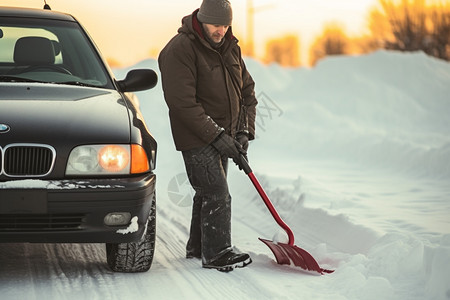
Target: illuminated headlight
(107,159)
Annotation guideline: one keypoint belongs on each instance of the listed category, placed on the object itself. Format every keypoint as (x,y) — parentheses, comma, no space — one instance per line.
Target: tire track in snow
(55,271)
(63,271)
(82,265)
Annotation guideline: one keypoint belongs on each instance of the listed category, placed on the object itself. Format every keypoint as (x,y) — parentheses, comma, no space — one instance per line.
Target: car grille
(49,222)
(27,160)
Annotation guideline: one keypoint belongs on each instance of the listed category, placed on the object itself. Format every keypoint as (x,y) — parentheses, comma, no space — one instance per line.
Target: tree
(407,21)
(333,41)
(379,28)
(440,31)
(412,25)
(284,51)
(112,62)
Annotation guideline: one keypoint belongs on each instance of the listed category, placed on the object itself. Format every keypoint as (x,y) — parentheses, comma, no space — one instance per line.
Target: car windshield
(39,50)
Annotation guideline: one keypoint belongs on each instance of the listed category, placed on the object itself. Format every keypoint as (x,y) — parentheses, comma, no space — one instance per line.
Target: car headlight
(107,159)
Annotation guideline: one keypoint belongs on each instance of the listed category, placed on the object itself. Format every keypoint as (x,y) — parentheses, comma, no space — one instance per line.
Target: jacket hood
(191,26)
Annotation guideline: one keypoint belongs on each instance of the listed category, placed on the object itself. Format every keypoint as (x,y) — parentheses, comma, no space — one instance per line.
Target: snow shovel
(284,253)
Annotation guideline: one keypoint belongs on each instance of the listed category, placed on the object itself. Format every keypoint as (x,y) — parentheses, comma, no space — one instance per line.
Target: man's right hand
(227,146)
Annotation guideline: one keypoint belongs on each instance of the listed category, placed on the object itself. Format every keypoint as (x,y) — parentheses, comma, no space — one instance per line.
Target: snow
(132,228)
(355,156)
(53,185)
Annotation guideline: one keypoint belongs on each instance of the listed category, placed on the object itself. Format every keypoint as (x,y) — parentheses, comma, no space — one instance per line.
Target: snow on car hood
(45,113)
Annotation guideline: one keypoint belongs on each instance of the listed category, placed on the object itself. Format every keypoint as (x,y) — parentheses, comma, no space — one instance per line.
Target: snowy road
(78,271)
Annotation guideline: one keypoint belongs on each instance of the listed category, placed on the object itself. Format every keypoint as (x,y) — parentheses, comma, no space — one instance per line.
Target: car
(77,160)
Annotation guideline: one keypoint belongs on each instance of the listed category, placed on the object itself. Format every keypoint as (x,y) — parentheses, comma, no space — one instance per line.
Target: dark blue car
(76,158)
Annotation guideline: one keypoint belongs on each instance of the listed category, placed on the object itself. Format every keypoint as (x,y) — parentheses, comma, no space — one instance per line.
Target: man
(212,109)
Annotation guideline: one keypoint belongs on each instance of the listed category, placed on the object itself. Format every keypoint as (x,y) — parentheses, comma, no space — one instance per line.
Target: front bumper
(73,211)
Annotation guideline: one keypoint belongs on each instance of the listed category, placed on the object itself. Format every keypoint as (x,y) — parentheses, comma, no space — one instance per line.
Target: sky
(133,30)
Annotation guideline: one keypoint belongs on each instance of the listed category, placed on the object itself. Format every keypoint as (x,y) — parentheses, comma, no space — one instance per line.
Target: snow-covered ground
(354,154)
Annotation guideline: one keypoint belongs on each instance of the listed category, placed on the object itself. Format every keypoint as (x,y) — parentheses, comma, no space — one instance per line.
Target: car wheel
(137,256)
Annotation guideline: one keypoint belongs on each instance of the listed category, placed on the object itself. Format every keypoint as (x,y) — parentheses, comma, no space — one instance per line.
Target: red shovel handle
(246,167)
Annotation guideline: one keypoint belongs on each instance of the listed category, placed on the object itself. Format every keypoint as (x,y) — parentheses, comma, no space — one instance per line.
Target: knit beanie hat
(216,12)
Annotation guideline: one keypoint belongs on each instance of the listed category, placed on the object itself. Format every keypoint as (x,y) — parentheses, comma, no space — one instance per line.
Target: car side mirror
(138,80)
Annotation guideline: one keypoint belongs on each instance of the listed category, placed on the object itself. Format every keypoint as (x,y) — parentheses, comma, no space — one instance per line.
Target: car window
(9,38)
(49,51)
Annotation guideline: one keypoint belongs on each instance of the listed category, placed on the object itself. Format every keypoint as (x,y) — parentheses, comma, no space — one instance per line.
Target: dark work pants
(210,233)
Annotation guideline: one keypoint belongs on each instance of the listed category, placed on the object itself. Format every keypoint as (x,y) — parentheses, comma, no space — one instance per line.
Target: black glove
(242,138)
(229,147)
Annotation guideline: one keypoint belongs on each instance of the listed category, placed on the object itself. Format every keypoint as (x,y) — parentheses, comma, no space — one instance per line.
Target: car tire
(134,257)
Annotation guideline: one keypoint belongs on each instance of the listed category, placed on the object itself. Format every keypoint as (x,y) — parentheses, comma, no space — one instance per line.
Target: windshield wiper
(78,83)
(4,78)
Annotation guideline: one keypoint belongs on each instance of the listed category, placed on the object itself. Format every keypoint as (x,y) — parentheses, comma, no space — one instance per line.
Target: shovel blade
(285,254)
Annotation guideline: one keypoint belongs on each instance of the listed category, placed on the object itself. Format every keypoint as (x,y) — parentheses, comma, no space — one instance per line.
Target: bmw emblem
(4,128)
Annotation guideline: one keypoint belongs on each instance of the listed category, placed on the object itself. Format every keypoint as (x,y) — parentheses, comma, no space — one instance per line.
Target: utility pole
(250,28)
(251,10)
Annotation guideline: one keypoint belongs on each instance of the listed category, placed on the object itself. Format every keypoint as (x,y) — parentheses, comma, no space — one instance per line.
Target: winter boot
(193,254)
(229,261)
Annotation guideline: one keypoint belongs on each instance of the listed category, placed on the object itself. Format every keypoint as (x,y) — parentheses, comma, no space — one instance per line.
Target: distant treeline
(404,25)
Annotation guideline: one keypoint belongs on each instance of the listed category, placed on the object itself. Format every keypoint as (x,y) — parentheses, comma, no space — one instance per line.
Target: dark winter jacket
(203,87)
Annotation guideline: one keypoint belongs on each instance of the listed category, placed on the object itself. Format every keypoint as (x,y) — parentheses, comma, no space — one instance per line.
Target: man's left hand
(242,138)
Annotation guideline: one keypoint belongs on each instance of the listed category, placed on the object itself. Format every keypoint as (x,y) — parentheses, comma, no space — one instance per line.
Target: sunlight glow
(128,32)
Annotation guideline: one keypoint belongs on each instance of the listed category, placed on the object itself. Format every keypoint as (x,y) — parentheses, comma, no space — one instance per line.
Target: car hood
(68,115)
